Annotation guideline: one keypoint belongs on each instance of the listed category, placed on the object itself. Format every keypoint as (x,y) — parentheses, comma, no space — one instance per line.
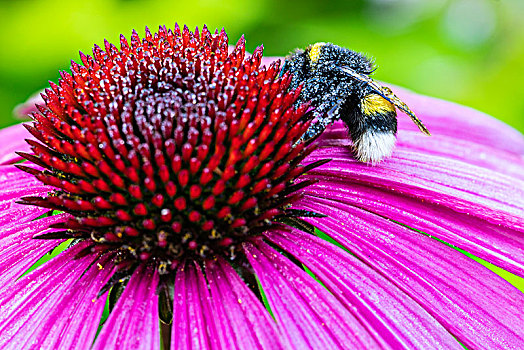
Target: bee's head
(331,55)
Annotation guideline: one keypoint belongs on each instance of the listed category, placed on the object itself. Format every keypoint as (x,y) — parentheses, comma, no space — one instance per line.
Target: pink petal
(23,110)
(394,319)
(450,147)
(194,323)
(15,183)
(307,315)
(31,300)
(15,262)
(225,315)
(499,245)
(267,60)
(466,193)
(23,230)
(474,304)
(82,309)
(480,155)
(243,321)
(492,197)
(134,321)
(19,252)
(449,119)
(13,139)
(40,274)
(70,315)
(14,215)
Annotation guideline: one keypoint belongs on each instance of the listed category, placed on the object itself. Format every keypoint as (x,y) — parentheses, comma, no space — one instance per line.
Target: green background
(467,51)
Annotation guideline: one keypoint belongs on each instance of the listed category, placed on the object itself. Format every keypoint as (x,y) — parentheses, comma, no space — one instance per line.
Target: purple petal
(193,319)
(81,310)
(15,215)
(395,320)
(480,155)
(134,322)
(18,251)
(267,60)
(15,183)
(449,119)
(243,321)
(307,315)
(468,189)
(499,245)
(464,184)
(418,145)
(70,314)
(474,304)
(23,110)
(13,139)
(31,300)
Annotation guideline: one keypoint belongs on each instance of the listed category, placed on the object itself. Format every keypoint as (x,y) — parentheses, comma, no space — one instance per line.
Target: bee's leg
(284,68)
(313,131)
(323,121)
(372,126)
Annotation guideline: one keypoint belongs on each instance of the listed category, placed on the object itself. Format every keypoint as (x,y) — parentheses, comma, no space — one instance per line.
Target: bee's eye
(373,104)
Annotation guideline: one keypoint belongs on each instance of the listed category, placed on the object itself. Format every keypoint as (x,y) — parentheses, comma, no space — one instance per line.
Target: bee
(336,81)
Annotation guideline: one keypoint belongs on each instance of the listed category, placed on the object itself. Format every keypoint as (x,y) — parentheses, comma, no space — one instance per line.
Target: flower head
(169,148)
(170,169)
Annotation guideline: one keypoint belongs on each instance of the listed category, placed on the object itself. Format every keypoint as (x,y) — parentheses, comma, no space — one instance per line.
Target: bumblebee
(336,81)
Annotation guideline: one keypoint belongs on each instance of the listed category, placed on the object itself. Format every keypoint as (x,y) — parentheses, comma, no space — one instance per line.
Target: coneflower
(172,172)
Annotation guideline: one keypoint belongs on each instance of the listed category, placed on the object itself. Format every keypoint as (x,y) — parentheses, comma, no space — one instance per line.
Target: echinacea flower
(170,171)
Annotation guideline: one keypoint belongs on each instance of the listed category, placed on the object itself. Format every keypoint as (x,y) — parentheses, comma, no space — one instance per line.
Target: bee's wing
(388,95)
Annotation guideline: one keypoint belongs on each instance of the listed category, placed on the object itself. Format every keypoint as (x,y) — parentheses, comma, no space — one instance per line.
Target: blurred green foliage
(468,51)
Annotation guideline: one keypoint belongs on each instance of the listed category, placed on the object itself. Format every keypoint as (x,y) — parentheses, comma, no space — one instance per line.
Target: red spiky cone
(168,148)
